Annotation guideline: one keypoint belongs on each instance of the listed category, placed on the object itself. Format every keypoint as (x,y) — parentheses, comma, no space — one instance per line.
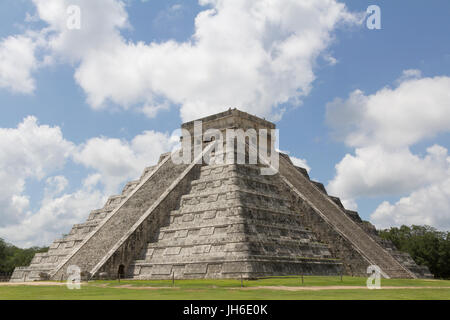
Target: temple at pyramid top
(203,130)
(201,220)
(231,119)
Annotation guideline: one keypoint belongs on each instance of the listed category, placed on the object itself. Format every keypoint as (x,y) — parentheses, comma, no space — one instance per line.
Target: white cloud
(378,171)
(101,22)
(17,62)
(176,7)
(56,216)
(256,55)
(300,163)
(409,74)
(151,110)
(383,127)
(393,117)
(429,205)
(36,152)
(330,59)
(30,151)
(56,185)
(117,160)
(214,71)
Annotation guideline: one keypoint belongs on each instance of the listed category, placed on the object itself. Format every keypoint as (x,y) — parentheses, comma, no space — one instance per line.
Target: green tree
(426,245)
(12,256)
(2,254)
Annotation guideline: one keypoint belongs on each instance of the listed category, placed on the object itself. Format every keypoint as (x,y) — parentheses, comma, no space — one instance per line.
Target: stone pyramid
(226,220)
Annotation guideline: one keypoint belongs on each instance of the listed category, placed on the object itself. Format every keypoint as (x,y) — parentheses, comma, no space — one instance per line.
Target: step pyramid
(221,220)
(234,222)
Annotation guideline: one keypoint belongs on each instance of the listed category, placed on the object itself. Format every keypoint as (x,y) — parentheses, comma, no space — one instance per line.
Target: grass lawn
(284,288)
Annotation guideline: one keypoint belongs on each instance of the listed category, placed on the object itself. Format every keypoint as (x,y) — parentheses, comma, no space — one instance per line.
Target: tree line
(426,245)
(12,256)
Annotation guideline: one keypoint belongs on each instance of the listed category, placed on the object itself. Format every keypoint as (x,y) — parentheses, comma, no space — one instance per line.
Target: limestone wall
(43,264)
(333,219)
(95,247)
(233,222)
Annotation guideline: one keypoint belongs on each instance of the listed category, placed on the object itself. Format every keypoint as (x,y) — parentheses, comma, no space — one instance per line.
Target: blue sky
(371,150)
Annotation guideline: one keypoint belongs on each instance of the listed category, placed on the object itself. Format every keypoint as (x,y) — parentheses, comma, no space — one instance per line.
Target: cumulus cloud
(257,55)
(118,160)
(242,54)
(393,117)
(17,62)
(55,185)
(383,128)
(429,205)
(100,25)
(34,152)
(30,151)
(56,215)
(300,163)
(377,171)
(409,74)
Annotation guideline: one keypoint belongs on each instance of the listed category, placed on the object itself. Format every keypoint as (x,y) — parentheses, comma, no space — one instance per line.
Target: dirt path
(331,288)
(285,288)
(36,283)
(282,288)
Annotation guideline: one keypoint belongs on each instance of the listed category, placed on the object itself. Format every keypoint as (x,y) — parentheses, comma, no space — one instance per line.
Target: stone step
(246,169)
(273,194)
(223,240)
(184,253)
(114,201)
(119,222)
(24,274)
(320,186)
(334,215)
(252,224)
(247,266)
(354,216)
(303,171)
(60,251)
(147,171)
(254,213)
(223,209)
(129,187)
(61,248)
(87,224)
(234,193)
(221,256)
(234,176)
(337,201)
(99,214)
(134,220)
(213,185)
(47,260)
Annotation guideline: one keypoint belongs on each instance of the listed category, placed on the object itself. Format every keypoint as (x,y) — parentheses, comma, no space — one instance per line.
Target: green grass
(230,289)
(309,281)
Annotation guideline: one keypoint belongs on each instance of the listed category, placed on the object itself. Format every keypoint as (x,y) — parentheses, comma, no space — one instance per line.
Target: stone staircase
(221,221)
(233,222)
(335,216)
(43,264)
(129,209)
